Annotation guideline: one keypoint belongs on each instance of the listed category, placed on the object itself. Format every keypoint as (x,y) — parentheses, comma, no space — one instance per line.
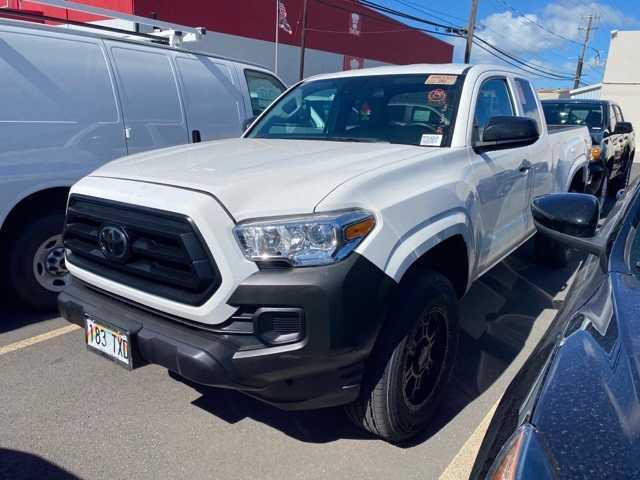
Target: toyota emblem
(114,243)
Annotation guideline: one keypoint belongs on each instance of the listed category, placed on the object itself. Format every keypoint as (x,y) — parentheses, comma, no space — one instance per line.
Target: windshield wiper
(356,139)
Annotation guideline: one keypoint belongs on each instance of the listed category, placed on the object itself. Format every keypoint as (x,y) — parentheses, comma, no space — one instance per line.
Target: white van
(73,100)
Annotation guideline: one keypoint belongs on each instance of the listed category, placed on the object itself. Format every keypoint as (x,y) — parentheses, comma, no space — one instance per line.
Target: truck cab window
(494,99)
(527,100)
(263,89)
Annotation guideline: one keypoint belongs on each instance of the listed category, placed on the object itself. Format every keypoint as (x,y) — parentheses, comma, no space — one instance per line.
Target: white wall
(622,77)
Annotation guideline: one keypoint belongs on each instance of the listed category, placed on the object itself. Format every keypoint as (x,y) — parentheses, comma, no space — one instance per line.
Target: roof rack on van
(167,33)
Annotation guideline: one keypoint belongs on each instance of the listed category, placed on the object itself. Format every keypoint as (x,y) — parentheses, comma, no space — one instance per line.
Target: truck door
(501,176)
(540,176)
(149,96)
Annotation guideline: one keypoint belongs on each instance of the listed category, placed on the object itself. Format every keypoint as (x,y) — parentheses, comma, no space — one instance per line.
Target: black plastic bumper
(343,306)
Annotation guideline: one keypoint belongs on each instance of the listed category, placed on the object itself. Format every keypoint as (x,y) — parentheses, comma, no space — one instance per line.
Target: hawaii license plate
(110,342)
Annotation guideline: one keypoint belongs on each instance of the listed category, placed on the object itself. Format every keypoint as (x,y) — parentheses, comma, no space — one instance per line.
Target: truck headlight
(318,239)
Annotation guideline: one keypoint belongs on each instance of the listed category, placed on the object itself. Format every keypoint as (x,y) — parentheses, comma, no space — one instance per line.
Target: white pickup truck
(318,260)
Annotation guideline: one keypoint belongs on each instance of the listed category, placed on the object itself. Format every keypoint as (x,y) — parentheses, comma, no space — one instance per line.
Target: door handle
(525,166)
(195,136)
(127,133)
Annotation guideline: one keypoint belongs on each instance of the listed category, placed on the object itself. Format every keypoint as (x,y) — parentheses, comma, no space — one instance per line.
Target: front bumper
(343,304)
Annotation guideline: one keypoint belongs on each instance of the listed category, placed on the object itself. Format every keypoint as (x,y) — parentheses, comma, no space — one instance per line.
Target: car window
(559,113)
(494,100)
(406,109)
(527,100)
(263,89)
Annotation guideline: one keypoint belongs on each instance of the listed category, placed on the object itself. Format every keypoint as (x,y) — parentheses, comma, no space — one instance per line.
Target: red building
(341,34)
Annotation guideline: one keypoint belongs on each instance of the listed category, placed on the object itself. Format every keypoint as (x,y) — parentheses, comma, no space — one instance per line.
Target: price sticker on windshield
(430,140)
(441,80)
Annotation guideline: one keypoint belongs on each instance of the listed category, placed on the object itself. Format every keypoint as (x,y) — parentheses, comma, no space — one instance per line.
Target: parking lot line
(461,465)
(37,339)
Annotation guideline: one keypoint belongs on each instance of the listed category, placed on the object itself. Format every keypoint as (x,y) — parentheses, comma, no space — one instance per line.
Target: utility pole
(587,35)
(470,30)
(303,36)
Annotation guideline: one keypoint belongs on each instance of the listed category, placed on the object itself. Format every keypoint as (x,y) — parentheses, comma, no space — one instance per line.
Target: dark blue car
(573,410)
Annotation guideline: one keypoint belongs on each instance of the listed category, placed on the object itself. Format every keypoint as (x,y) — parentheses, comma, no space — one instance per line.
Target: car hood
(261,177)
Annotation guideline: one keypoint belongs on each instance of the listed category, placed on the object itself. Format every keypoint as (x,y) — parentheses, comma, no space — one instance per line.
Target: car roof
(577,100)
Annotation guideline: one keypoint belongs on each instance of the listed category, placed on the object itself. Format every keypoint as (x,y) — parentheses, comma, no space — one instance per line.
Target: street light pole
(470,30)
(303,38)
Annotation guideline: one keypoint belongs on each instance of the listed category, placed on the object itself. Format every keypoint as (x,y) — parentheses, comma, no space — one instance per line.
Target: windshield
(405,109)
(586,114)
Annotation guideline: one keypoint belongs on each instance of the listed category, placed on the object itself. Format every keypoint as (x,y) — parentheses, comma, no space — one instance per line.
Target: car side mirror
(623,127)
(507,132)
(247,123)
(570,219)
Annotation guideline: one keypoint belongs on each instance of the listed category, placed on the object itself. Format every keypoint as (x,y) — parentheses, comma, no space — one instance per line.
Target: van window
(263,89)
(148,86)
(45,83)
(527,100)
(212,101)
(493,100)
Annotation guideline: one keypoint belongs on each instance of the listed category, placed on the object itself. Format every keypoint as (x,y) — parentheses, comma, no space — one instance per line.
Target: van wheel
(37,270)
(549,252)
(412,361)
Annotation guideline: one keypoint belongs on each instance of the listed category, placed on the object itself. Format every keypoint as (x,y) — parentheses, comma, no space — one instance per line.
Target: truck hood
(260,177)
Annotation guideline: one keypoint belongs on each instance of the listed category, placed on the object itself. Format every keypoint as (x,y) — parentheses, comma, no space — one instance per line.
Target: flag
(283,24)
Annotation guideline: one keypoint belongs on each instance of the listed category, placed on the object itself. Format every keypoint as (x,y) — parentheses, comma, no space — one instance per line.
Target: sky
(545,33)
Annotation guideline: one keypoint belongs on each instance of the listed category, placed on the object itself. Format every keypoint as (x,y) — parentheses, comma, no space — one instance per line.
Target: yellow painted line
(38,339)
(461,465)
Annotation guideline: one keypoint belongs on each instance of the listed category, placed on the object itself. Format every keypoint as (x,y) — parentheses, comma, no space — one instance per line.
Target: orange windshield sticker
(441,80)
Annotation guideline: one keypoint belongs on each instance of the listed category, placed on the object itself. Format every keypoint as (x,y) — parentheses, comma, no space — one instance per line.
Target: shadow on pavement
(497,315)
(14,316)
(16,465)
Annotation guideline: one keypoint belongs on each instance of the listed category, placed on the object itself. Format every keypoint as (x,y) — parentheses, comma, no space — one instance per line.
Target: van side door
(501,176)
(213,101)
(148,92)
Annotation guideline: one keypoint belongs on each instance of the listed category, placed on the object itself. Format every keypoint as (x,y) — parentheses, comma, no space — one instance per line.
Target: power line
(515,65)
(561,75)
(438,15)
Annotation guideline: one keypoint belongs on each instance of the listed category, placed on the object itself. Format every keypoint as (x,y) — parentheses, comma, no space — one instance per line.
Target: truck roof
(420,68)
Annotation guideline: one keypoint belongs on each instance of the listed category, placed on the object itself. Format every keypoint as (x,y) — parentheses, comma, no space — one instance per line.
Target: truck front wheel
(37,270)
(412,361)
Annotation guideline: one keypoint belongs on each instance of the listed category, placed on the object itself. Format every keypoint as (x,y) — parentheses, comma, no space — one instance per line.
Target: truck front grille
(162,253)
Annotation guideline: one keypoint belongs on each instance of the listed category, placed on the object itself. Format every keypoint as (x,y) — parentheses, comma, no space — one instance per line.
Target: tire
(551,253)
(392,404)
(35,246)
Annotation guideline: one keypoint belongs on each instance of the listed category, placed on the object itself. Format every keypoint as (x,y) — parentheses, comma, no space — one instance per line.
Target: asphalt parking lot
(66,412)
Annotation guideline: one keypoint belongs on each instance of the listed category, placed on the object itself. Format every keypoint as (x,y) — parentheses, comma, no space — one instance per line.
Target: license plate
(108,341)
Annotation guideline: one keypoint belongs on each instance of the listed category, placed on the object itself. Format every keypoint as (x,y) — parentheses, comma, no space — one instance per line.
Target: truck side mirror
(570,219)
(623,127)
(507,132)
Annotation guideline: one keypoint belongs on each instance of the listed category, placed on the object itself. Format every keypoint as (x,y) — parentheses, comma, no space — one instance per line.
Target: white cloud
(521,34)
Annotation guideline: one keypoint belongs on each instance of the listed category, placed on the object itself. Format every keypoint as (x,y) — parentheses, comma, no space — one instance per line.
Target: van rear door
(212,99)
(151,104)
